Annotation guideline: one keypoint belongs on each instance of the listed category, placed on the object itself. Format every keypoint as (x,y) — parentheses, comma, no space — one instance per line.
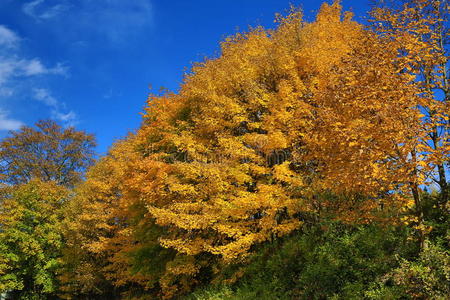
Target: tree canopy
(48,152)
(31,238)
(304,150)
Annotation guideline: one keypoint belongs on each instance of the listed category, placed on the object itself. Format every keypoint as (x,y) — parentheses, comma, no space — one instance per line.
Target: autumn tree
(249,147)
(251,140)
(110,250)
(48,152)
(420,30)
(90,217)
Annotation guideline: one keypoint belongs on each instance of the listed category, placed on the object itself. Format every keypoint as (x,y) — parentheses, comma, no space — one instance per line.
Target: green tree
(38,168)
(30,238)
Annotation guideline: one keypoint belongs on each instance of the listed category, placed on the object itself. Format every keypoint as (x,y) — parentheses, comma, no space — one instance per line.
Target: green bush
(326,261)
(428,277)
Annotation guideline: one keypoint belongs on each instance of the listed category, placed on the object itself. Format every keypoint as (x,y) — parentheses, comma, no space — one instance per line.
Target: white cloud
(57,108)
(59,69)
(16,70)
(35,67)
(8,38)
(36,10)
(6,123)
(114,20)
(45,97)
(69,118)
(14,67)
(32,67)
(7,68)
(30,7)
(117,19)
(6,92)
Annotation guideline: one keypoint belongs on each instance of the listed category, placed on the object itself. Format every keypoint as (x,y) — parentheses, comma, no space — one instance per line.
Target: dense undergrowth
(332,260)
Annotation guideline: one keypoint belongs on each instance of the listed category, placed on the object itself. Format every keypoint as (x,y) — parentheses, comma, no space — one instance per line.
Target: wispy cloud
(14,65)
(58,109)
(40,12)
(69,118)
(7,123)
(30,7)
(15,69)
(35,67)
(8,38)
(114,20)
(45,97)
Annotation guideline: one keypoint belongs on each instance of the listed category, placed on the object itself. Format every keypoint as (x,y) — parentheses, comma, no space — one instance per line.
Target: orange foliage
(326,100)
(419,30)
(254,140)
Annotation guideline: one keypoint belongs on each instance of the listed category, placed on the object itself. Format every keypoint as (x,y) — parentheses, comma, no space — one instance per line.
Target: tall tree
(100,233)
(38,168)
(239,155)
(326,94)
(48,152)
(421,30)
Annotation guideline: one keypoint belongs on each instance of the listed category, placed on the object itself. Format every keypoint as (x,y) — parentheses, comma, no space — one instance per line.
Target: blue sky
(90,63)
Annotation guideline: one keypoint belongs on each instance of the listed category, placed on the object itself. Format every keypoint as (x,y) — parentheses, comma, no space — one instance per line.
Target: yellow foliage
(233,158)
(254,139)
